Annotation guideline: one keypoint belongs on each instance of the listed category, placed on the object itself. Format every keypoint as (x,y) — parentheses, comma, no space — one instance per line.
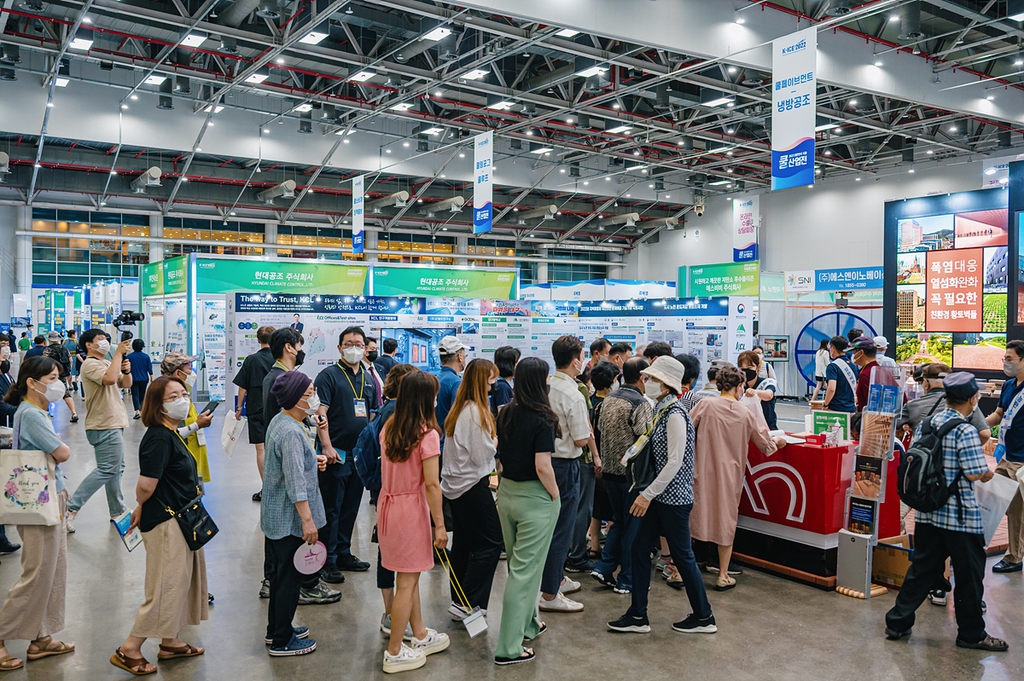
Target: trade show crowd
(610,467)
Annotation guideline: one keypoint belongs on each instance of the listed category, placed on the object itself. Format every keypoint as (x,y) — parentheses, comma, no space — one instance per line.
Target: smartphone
(210,406)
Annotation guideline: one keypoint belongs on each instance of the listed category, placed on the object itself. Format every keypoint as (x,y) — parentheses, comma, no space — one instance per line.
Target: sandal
(996,645)
(725,584)
(8,663)
(527,655)
(173,653)
(48,649)
(132,665)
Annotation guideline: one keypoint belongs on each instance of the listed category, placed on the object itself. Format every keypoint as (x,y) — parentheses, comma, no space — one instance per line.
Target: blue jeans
(567,477)
(618,547)
(578,549)
(108,446)
(673,523)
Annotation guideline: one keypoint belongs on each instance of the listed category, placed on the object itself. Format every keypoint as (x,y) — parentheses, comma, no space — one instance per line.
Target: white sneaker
(71,521)
(569,586)
(559,604)
(385,627)
(433,642)
(406,660)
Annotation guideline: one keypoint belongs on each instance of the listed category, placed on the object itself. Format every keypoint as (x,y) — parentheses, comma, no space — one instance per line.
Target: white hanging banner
(745,218)
(357,214)
(483,147)
(794,101)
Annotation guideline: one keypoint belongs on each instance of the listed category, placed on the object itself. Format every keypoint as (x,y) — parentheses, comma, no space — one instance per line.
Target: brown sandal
(8,663)
(132,665)
(48,649)
(181,651)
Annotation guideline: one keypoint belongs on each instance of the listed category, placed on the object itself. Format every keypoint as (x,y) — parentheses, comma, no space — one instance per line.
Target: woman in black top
(176,594)
(528,504)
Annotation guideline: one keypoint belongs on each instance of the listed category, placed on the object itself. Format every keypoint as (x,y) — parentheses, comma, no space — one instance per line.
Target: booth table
(793,506)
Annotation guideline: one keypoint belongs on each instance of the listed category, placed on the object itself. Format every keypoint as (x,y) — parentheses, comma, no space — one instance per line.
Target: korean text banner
(297,302)
(726,279)
(745,215)
(954,288)
(794,86)
(176,275)
(227,276)
(357,214)
(153,279)
(483,148)
(849,279)
(438,282)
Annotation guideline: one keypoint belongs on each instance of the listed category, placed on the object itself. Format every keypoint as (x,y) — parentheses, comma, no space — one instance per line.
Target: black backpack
(921,474)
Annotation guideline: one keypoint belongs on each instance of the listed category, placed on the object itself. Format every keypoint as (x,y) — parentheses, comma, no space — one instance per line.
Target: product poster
(176,325)
(745,218)
(483,149)
(213,333)
(862,515)
(725,279)
(794,102)
(954,289)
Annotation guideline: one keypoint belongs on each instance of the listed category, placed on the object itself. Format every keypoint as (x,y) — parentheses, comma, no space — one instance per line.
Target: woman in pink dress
(410,495)
(724,429)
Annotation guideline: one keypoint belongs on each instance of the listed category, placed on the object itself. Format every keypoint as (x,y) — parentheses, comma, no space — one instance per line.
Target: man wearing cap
(179,365)
(840,378)
(953,531)
(348,397)
(1011,446)
(882,343)
(59,354)
(453,363)
(933,401)
(105,421)
(864,354)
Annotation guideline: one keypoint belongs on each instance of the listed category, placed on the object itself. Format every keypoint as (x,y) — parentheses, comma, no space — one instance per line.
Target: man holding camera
(105,420)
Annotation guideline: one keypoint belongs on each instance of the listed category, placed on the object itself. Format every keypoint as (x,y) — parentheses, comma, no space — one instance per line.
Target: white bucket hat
(667,370)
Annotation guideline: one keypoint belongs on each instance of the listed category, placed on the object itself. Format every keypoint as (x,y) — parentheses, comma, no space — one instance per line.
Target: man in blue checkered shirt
(953,531)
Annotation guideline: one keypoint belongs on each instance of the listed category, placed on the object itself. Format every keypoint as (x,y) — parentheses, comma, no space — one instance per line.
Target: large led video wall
(951,280)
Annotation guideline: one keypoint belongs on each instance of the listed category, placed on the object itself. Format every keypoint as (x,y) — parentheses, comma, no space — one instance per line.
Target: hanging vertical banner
(357,214)
(745,218)
(794,60)
(483,147)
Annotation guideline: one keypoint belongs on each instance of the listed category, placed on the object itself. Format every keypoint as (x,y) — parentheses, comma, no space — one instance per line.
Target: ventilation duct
(839,8)
(544,213)
(516,145)
(910,21)
(452,205)
(164,101)
(236,13)
(627,219)
(448,49)
(8,74)
(285,190)
(398,200)
(269,9)
(33,5)
(668,223)
(1004,139)
(574,170)
(183,85)
(306,122)
(228,45)
(150,178)
(593,85)
(661,102)
(5,164)
(11,54)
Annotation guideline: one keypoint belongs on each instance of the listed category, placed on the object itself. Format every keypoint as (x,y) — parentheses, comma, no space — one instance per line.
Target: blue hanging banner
(483,150)
(794,102)
(357,214)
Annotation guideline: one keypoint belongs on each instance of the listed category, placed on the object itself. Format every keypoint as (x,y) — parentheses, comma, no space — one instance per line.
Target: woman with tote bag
(34,608)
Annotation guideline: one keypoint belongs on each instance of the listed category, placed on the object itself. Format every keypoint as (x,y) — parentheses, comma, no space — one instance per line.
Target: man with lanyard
(1010,451)
(840,378)
(348,394)
(179,365)
(864,354)
(286,347)
(453,363)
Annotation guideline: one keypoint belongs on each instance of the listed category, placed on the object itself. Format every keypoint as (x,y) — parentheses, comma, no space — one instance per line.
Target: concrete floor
(770,628)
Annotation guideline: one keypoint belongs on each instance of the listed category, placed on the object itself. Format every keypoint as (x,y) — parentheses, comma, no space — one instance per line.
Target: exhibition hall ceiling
(622,136)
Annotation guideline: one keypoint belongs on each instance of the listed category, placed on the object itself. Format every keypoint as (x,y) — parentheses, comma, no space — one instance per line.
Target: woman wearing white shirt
(821,360)
(469,449)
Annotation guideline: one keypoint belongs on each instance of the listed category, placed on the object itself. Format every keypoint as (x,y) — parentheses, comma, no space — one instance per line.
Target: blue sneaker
(296,646)
(298,632)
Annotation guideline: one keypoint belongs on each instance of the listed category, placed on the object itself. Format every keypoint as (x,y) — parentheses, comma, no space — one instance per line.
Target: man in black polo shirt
(347,394)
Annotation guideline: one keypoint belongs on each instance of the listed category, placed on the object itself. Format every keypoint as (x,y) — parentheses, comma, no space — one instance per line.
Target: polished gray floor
(770,628)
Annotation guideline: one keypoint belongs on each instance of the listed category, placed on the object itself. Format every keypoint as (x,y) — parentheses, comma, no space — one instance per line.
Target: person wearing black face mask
(761,388)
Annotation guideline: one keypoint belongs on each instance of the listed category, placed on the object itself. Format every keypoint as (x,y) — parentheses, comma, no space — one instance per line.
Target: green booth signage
(152,280)
(725,279)
(281,276)
(442,282)
(176,276)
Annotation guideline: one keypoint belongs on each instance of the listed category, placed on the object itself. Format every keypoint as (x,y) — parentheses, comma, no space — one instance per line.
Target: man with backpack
(937,478)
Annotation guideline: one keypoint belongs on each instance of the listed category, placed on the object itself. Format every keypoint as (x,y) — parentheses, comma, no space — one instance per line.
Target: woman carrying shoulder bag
(528,505)
(34,608)
(176,593)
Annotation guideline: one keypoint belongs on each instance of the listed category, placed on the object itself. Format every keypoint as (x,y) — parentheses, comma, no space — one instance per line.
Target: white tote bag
(994,498)
(29,488)
(229,436)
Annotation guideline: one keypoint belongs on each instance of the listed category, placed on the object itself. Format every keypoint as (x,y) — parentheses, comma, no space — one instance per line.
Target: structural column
(370,244)
(156,229)
(270,237)
(23,266)
(614,266)
(542,273)
(462,249)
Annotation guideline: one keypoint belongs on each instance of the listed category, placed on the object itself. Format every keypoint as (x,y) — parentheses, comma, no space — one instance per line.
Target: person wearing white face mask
(175,587)
(348,394)
(179,366)
(105,421)
(724,429)
(1010,452)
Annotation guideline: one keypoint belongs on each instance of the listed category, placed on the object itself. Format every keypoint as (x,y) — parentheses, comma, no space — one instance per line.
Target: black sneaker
(258,496)
(893,635)
(351,563)
(321,594)
(332,575)
(629,624)
(1005,566)
(692,625)
(937,597)
(602,580)
(573,566)
(74,418)
(8,547)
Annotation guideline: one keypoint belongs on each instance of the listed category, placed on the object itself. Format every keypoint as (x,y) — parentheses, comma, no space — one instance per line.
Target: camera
(127,318)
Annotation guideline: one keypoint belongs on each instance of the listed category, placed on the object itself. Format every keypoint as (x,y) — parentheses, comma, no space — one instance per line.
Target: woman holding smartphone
(528,505)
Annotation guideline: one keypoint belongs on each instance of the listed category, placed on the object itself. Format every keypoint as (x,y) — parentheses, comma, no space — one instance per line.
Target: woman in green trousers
(528,505)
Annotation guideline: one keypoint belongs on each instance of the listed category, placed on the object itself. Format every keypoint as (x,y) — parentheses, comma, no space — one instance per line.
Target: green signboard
(279,276)
(152,280)
(442,282)
(773,286)
(176,276)
(725,279)
(824,420)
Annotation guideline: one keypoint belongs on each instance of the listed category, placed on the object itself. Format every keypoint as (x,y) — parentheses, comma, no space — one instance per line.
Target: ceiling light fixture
(616,105)
(313,38)
(82,41)
(719,102)
(879,62)
(730,131)
(304,107)
(124,107)
(362,76)
(952,128)
(990,96)
(585,182)
(501,106)
(402,106)
(476,74)
(257,78)
(155,80)
(620,130)
(193,40)
(61,82)
(135,98)
(438,34)
(280,60)
(266,131)
(853,102)
(732,69)
(567,33)
(592,71)
(216,110)
(541,150)
(826,126)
